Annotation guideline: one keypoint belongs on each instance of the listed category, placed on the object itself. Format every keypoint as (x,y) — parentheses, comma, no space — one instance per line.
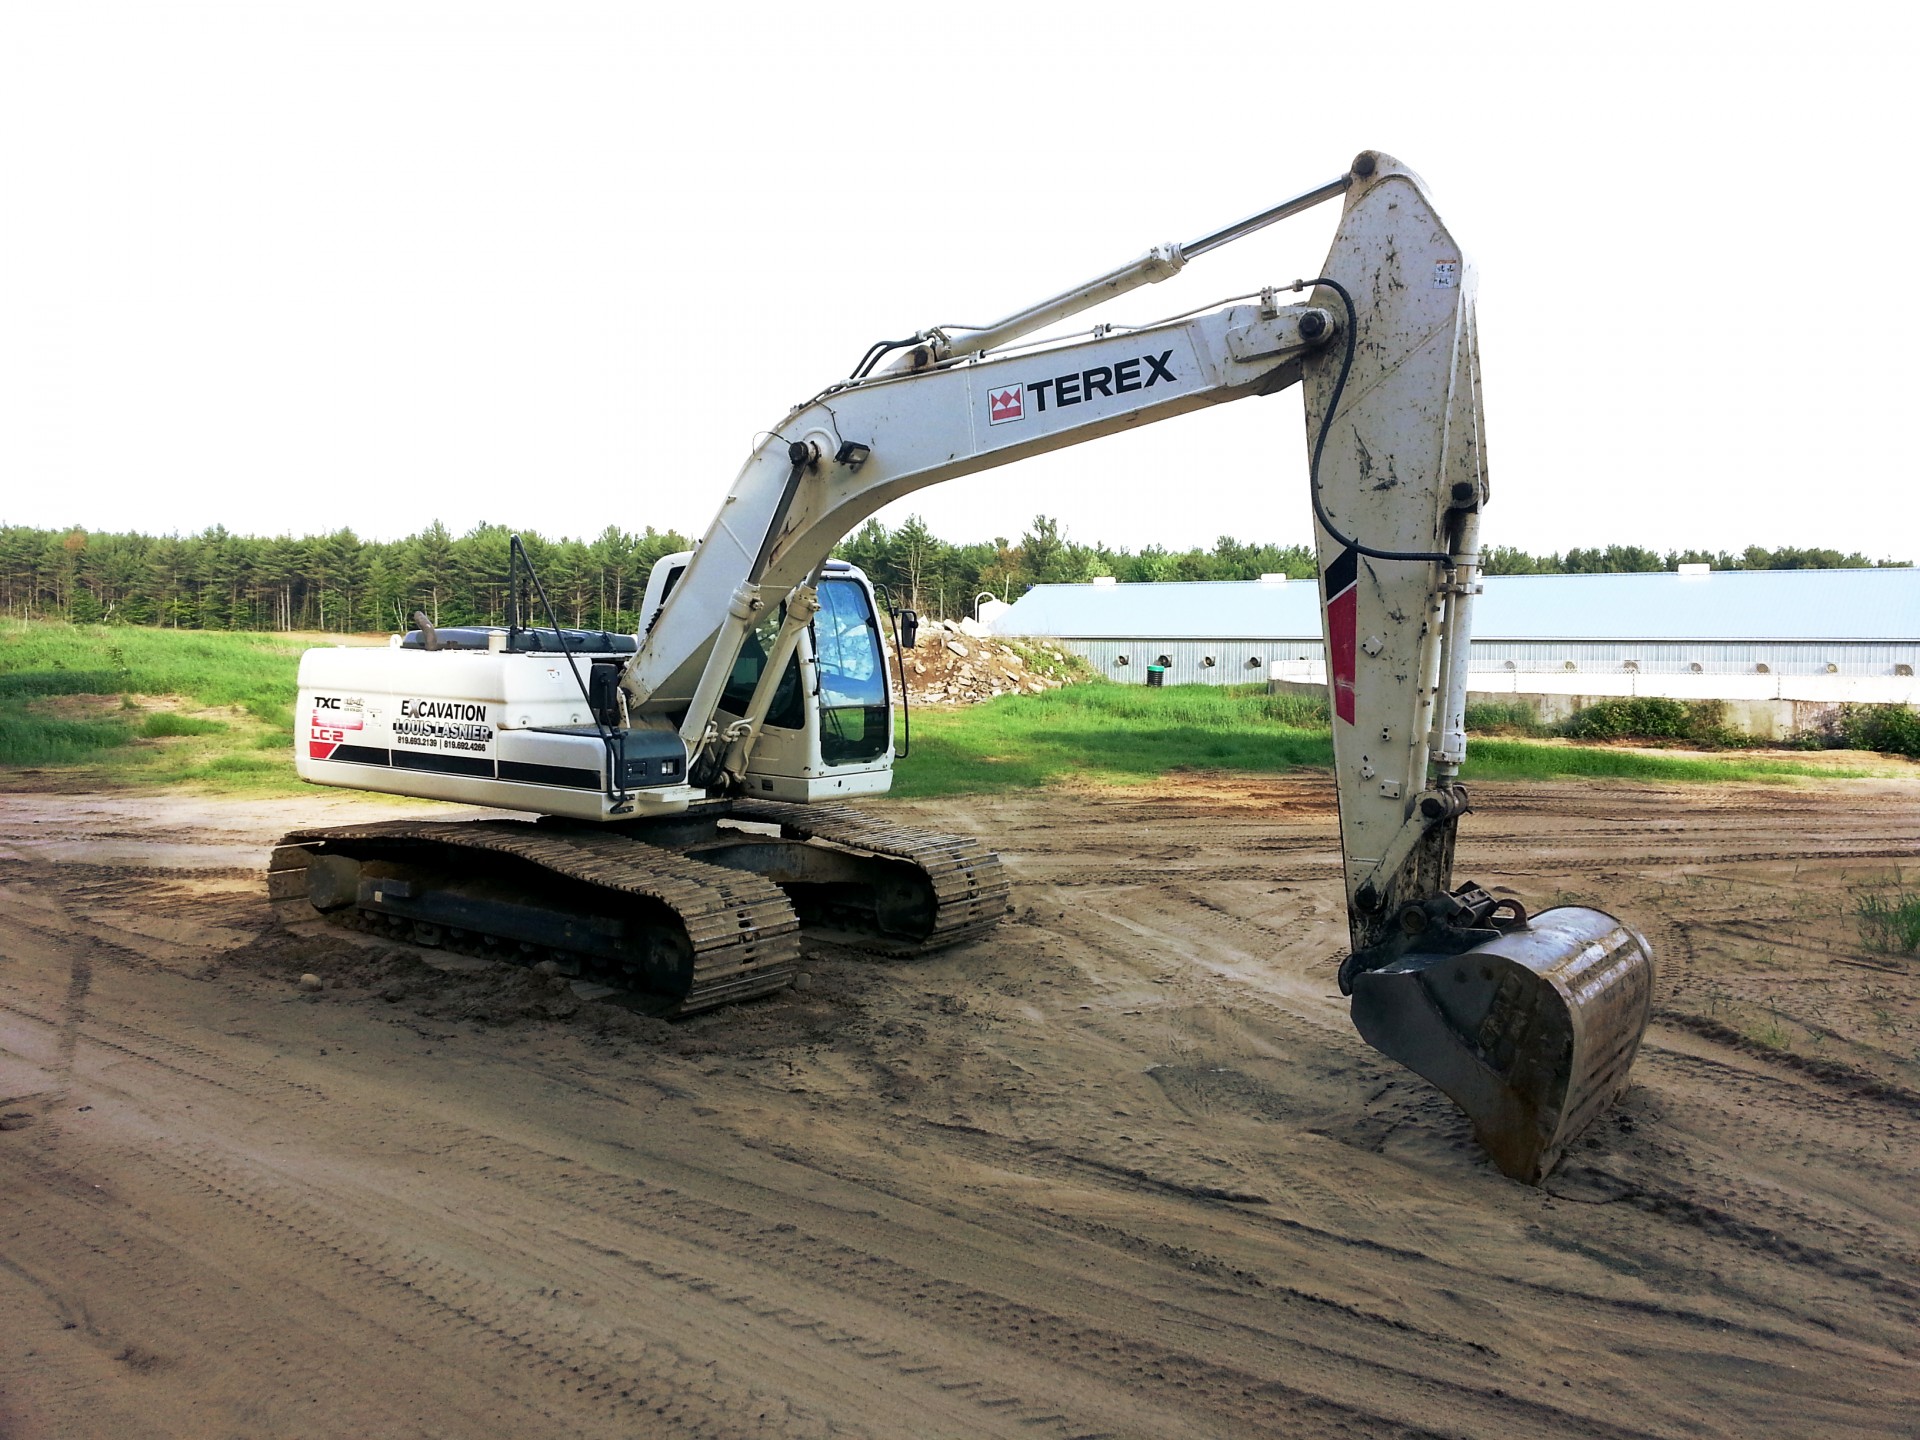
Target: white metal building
(1732,634)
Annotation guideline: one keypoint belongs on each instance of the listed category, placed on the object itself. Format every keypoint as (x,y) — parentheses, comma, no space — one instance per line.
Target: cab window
(855,721)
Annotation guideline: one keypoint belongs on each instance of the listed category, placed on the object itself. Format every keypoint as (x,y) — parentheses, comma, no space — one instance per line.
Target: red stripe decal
(1343,621)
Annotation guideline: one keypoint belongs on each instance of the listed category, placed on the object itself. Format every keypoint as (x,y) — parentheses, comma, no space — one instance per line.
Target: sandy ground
(1123,1170)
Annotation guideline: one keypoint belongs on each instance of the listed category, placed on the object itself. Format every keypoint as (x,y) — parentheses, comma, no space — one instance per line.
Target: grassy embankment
(114,706)
(1126,734)
(123,705)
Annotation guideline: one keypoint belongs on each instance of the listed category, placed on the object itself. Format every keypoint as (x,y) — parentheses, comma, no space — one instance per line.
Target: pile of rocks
(960,663)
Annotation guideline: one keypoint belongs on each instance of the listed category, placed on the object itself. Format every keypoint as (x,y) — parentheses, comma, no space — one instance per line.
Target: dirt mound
(957,663)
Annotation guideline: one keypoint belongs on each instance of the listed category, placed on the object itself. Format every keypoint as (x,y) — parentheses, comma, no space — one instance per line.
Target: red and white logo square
(1007,404)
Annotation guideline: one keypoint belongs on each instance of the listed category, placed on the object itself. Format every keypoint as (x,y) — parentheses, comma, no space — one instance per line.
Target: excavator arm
(1529,1024)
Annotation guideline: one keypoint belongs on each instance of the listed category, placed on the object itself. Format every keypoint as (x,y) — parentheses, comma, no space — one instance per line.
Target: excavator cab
(828,732)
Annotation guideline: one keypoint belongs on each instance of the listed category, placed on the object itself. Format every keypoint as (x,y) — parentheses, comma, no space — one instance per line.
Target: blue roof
(1724,605)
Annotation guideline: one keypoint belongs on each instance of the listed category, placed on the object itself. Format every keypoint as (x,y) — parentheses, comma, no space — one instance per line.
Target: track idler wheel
(1531,1034)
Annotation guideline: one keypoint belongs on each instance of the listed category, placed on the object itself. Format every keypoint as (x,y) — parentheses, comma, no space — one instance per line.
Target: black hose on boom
(878,349)
(1326,428)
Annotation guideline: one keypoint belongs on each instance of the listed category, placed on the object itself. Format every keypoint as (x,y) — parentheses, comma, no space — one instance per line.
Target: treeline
(1629,559)
(220,581)
(945,579)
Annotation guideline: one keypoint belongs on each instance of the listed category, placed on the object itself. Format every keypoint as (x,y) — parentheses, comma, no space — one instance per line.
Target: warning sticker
(1446,274)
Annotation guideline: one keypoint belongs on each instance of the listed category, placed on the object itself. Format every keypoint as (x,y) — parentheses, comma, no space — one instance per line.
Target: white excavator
(690,783)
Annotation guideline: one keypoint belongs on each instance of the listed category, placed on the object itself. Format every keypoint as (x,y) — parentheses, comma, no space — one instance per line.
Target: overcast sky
(288,268)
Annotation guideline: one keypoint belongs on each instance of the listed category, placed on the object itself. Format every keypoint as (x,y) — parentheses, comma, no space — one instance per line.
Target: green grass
(27,739)
(1522,760)
(49,672)
(1106,733)
(166,724)
(35,684)
(1128,734)
(1506,717)
(1118,734)
(1889,921)
(254,673)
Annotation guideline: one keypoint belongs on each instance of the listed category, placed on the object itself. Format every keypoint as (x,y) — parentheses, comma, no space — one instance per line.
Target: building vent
(1123,660)
(1511,665)
(1569,666)
(1903,669)
(1694,667)
(1106,580)
(1208,661)
(1832,669)
(1696,569)
(1632,667)
(1763,669)
(1165,662)
(1271,579)
(1254,662)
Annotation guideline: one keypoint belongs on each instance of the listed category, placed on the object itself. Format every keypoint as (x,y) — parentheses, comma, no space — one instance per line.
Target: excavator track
(971,890)
(673,934)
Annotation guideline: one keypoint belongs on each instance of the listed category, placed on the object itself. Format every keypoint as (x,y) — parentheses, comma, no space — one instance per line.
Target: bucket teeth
(1532,1034)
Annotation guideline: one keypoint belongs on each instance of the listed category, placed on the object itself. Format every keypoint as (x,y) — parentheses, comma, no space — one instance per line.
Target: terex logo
(1005,405)
(1143,372)
(1104,380)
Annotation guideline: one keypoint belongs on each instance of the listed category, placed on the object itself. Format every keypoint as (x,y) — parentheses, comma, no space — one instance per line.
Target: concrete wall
(1794,694)
(1753,658)
(1188,662)
(1831,672)
(1763,719)
(1824,691)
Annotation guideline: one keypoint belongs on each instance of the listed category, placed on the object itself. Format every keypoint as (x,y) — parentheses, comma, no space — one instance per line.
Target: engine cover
(496,728)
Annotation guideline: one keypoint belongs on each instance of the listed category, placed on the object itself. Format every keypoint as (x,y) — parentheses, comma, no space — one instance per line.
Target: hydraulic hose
(900,664)
(615,791)
(1326,428)
(877,350)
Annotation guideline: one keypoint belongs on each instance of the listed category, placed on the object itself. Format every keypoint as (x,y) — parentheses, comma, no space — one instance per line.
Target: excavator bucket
(1532,1034)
